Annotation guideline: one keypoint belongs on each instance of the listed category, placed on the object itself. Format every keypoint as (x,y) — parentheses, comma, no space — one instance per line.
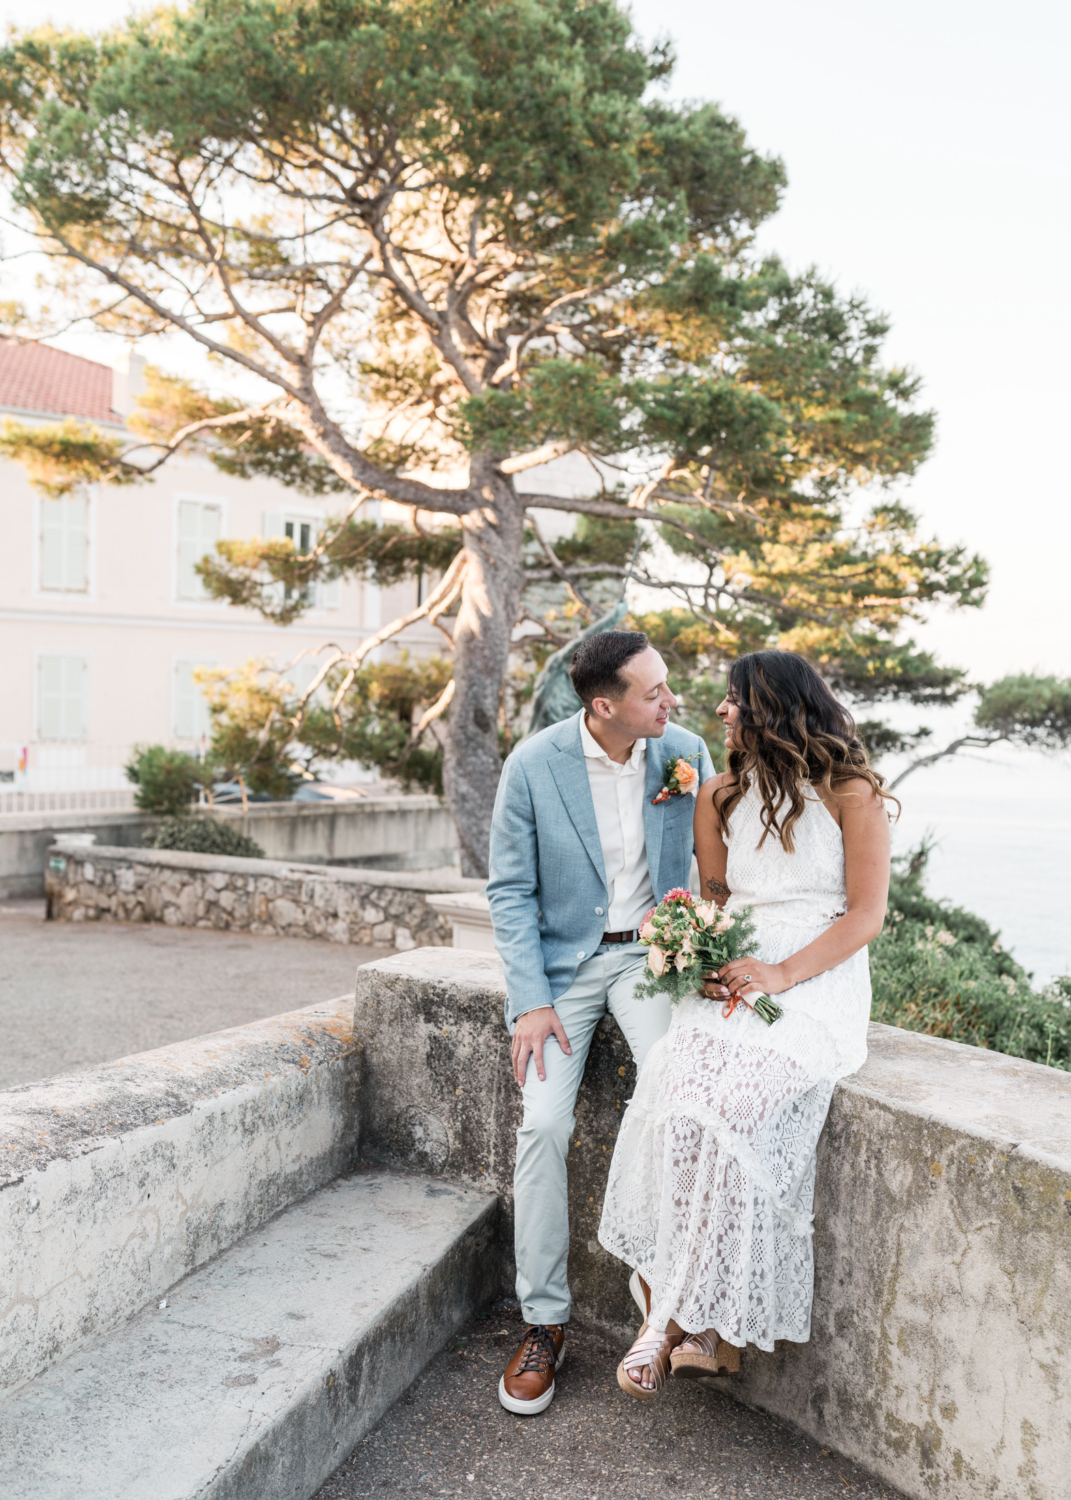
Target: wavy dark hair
(792,731)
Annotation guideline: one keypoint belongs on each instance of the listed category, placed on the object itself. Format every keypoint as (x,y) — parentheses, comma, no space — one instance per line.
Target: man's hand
(530,1034)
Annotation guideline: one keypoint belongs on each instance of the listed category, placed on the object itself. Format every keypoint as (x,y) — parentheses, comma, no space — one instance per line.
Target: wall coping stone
(180,859)
(118,1181)
(1021,1105)
(64,1117)
(227,812)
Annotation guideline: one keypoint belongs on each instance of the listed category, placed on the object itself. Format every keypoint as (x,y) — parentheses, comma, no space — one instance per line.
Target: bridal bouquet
(689,941)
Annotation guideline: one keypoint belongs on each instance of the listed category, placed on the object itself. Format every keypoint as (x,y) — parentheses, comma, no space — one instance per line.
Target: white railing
(64,777)
(70,799)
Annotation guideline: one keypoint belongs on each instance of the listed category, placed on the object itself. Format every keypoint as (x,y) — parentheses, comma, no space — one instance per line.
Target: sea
(1001,821)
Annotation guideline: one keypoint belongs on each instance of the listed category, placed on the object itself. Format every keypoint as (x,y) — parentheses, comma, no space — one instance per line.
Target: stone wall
(249,895)
(119,1180)
(942,1309)
(411,832)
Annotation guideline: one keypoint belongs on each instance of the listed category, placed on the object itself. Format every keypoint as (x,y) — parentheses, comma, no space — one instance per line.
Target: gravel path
(449,1436)
(75,994)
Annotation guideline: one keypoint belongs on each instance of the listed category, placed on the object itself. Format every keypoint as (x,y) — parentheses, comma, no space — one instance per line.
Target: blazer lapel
(571,779)
(654,817)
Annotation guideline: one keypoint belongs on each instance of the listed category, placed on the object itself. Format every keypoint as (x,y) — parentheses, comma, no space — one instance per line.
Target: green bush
(939,969)
(167,781)
(203,836)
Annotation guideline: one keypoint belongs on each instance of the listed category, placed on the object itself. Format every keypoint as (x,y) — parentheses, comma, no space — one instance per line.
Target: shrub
(939,969)
(203,836)
(167,781)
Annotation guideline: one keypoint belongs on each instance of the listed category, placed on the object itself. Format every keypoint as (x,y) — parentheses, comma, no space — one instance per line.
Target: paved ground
(76,994)
(449,1436)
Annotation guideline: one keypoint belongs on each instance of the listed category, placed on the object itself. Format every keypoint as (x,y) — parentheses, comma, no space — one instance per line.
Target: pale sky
(926,143)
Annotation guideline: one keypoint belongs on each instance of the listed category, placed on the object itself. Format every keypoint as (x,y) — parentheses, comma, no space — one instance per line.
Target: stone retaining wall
(942,1309)
(248,895)
(381,832)
(117,1181)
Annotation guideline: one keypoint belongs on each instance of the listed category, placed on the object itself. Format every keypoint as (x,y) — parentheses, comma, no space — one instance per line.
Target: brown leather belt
(620,937)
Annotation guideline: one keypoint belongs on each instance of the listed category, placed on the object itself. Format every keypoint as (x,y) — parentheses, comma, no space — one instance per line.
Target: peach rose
(707,911)
(681,962)
(647,932)
(656,959)
(687,776)
(724,922)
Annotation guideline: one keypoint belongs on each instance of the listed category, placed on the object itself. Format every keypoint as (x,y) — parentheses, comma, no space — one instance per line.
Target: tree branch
(978,741)
(559,570)
(537,456)
(614,512)
(437,709)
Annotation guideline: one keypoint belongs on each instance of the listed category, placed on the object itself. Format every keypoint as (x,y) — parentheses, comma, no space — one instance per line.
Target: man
(580,852)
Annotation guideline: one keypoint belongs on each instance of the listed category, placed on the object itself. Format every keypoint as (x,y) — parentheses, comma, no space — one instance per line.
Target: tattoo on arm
(716,888)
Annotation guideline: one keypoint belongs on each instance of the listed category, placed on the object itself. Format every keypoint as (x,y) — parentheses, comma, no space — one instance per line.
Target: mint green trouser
(604,982)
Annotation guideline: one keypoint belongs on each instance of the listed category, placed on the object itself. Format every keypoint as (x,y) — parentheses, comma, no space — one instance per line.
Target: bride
(712,1179)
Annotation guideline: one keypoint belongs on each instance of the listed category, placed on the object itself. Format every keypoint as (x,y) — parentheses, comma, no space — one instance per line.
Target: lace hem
(797,1221)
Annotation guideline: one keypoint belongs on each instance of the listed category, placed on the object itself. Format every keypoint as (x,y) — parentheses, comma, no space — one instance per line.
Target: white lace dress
(712,1179)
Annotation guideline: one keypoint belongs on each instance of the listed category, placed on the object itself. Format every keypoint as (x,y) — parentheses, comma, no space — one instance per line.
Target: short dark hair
(597,662)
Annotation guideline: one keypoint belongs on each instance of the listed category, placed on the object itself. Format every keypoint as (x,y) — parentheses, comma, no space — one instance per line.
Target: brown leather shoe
(527,1387)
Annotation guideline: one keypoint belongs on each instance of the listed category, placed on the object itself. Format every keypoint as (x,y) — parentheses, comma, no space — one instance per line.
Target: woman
(712,1178)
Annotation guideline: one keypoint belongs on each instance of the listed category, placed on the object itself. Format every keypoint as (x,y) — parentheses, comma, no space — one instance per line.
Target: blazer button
(598,911)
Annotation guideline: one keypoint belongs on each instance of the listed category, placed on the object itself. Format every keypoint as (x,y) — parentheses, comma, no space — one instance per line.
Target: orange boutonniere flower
(679,776)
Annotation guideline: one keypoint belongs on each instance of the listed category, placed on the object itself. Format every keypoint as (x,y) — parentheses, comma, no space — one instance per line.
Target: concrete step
(266,1365)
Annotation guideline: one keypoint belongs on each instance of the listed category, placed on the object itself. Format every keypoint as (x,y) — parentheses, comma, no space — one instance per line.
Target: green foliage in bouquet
(688,940)
(942,970)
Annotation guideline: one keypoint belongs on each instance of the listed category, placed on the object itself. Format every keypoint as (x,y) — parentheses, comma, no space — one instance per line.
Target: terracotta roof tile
(35,378)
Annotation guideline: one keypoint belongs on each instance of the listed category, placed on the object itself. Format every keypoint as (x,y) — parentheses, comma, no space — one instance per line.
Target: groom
(579,853)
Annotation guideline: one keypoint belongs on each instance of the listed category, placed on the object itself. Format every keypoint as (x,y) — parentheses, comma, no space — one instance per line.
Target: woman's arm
(864,824)
(710,851)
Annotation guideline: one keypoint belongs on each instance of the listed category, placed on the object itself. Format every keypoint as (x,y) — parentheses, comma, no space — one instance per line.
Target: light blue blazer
(547,879)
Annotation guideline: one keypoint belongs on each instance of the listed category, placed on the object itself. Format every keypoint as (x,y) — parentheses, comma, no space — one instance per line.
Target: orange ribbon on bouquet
(766,1009)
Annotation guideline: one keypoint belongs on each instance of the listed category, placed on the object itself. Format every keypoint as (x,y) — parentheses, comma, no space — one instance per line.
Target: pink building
(103,620)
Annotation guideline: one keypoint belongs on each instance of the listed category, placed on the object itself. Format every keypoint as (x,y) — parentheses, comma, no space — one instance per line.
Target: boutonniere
(678,775)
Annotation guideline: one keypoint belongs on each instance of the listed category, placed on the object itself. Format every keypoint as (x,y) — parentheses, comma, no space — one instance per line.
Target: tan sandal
(704,1354)
(650,1350)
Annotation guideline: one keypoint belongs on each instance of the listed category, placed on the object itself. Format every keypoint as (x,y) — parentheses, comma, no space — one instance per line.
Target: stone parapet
(117,1181)
(942,1306)
(248,895)
(377,831)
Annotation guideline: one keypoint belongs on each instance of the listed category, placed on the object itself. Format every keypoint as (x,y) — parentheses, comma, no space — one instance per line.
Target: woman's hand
(750,976)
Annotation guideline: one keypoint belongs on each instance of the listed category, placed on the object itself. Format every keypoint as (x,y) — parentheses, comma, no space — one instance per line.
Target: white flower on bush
(1009,983)
(945,938)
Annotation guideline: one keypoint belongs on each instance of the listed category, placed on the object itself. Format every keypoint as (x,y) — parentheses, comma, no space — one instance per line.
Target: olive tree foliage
(443,244)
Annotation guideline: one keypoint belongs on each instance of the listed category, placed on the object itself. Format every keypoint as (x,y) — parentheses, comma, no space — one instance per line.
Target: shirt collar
(594,751)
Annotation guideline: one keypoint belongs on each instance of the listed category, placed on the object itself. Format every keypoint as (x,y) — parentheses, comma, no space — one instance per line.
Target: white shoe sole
(637,1293)
(528,1408)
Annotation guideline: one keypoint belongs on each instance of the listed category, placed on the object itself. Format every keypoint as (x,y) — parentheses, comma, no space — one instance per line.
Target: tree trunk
(490,601)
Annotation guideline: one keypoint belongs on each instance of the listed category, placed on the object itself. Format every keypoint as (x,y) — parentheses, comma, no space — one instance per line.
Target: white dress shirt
(617,792)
